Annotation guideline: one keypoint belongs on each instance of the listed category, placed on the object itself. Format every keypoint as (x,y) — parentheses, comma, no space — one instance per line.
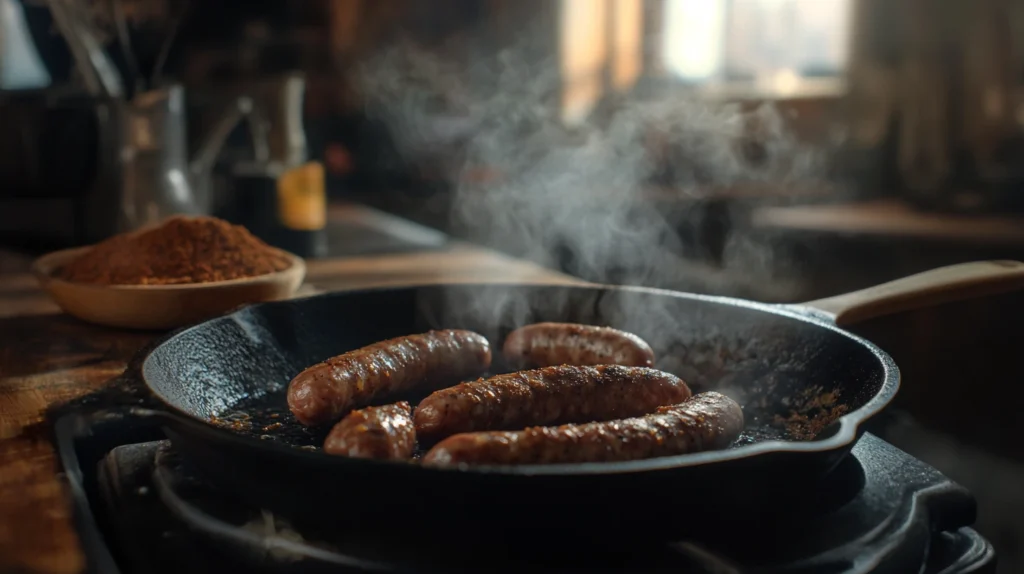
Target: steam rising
(580,195)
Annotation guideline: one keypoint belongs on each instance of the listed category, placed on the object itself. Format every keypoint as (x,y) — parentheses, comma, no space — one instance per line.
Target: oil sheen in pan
(268,418)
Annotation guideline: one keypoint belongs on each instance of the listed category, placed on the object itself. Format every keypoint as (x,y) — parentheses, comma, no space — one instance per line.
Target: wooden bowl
(161,306)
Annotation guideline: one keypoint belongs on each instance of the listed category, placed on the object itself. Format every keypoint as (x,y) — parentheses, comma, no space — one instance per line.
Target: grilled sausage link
(546,344)
(552,395)
(708,421)
(324,392)
(375,432)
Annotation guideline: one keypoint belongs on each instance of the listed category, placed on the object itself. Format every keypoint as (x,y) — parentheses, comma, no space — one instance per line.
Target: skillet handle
(943,285)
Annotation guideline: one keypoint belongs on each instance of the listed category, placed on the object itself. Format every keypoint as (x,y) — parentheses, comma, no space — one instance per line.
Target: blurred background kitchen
(798,147)
(778,150)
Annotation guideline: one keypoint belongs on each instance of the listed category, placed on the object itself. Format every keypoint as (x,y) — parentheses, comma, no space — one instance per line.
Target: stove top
(138,508)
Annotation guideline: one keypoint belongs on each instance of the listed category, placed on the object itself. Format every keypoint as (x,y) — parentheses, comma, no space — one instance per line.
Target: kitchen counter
(892,219)
(832,248)
(47,357)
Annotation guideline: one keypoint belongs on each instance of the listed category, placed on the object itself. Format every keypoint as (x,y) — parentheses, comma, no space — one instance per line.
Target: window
(20,65)
(781,42)
(770,47)
(601,49)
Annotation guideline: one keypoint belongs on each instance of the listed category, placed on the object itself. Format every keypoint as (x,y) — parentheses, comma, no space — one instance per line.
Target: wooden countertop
(47,357)
(892,218)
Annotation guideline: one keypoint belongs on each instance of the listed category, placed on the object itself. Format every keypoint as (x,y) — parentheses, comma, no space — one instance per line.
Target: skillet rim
(844,437)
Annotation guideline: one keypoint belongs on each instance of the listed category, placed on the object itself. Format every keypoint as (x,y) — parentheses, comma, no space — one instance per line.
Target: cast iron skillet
(806,387)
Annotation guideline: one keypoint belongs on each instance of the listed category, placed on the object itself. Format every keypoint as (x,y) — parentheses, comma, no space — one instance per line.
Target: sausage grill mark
(548,344)
(707,421)
(375,432)
(326,391)
(551,395)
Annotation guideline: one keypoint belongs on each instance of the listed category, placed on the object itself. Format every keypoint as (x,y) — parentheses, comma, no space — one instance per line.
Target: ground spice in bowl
(181,250)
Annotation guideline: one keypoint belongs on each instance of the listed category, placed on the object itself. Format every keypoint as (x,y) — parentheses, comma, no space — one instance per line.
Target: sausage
(708,421)
(324,392)
(374,432)
(545,344)
(552,395)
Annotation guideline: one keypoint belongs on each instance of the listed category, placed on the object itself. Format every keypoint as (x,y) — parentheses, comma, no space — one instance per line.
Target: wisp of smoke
(573,197)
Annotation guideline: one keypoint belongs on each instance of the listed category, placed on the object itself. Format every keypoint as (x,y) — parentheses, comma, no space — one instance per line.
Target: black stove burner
(139,509)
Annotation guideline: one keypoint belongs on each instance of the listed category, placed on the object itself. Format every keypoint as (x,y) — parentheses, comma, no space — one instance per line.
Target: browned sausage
(552,395)
(546,344)
(707,421)
(324,392)
(375,432)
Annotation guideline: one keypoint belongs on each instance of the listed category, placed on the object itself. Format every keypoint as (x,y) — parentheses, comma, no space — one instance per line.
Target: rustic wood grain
(45,359)
(48,358)
(892,218)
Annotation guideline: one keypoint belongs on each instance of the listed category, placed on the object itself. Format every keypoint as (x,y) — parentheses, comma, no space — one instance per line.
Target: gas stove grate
(139,508)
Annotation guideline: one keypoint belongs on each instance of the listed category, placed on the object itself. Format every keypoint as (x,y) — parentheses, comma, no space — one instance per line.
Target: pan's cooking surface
(793,377)
(267,418)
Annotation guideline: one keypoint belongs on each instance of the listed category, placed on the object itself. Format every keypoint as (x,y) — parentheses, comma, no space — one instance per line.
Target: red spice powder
(181,250)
